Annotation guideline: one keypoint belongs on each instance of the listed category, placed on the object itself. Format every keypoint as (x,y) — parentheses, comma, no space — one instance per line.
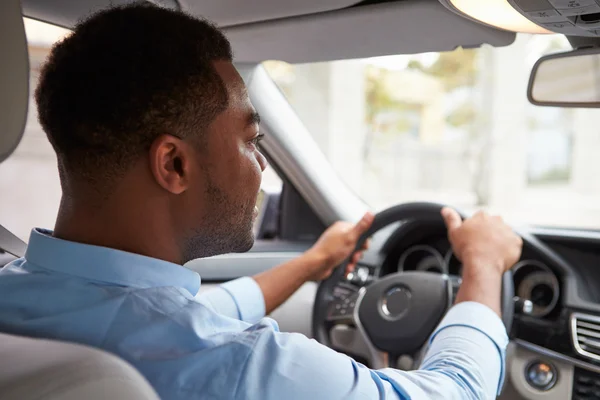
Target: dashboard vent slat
(585,334)
(589,342)
(587,325)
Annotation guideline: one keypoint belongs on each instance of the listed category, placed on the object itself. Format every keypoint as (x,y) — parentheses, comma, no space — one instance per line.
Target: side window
(29,178)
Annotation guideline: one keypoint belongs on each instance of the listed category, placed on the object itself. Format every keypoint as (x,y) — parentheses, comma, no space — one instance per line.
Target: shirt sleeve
(239,299)
(465,361)
(481,337)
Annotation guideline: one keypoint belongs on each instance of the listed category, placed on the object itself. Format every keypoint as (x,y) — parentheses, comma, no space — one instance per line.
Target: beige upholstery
(50,370)
(14,77)
(34,368)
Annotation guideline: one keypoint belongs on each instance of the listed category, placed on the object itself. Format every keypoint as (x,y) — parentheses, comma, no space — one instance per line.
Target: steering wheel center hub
(396,302)
(400,311)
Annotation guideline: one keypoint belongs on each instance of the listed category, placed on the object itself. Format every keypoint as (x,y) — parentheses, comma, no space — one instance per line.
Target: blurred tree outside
(456,70)
(459,73)
(390,117)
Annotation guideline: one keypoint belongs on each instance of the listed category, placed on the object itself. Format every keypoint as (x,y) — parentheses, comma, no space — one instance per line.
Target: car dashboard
(556,281)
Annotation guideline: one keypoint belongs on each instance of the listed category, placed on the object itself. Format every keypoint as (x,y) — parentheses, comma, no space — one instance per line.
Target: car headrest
(14,76)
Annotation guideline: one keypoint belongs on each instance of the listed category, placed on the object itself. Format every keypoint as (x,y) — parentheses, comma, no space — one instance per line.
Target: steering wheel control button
(546,16)
(396,302)
(362,274)
(342,291)
(566,4)
(342,308)
(574,11)
(541,375)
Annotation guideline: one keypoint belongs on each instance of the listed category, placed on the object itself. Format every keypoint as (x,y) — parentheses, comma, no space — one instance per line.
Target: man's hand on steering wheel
(336,245)
(487,248)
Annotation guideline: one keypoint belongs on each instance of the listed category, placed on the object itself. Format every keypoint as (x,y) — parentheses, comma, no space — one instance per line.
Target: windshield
(452,127)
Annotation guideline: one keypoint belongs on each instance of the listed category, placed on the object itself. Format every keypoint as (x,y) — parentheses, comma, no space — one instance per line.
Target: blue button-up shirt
(219,345)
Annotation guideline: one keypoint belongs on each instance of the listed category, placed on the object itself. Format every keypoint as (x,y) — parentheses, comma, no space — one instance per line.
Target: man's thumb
(364,224)
(451,218)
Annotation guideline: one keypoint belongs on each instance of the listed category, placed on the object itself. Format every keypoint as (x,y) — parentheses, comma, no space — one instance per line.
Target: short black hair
(124,76)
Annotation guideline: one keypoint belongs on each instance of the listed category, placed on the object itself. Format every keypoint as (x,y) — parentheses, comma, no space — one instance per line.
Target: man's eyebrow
(253,118)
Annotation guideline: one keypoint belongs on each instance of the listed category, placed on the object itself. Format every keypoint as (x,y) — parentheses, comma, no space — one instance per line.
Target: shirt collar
(105,264)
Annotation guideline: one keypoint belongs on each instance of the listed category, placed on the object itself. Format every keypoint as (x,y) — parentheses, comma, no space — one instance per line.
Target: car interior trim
(264,33)
(577,335)
(231,266)
(565,234)
(558,356)
(424,26)
(518,387)
(530,269)
(426,249)
(377,358)
(14,80)
(289,144)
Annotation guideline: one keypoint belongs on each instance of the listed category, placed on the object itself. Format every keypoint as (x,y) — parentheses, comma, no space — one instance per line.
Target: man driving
(156,143)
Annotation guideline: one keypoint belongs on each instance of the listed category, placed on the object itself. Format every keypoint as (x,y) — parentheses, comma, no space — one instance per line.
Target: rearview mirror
(569,79)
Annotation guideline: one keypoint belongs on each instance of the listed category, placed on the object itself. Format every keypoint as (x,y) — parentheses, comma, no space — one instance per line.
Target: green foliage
(380,101)
(557,174)
(454,69)
(463,115)
(378,97)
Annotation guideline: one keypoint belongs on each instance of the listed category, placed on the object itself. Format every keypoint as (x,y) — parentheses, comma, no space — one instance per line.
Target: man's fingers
(356,257)
(350,267)
(363,225)
(366,245)
(451,218)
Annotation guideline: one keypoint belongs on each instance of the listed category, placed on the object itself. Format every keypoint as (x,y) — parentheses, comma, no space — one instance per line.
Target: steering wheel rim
(403,212)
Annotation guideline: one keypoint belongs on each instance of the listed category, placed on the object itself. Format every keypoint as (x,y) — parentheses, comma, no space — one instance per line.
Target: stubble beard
(226,228)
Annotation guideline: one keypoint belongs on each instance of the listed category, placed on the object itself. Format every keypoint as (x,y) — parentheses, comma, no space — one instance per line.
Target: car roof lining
(326,33)
(406,27)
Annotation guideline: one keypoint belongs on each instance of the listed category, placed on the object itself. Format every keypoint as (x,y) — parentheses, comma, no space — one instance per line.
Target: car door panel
(295,315)
(231,266)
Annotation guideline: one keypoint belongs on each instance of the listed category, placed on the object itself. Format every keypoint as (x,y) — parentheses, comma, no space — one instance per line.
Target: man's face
(230,171)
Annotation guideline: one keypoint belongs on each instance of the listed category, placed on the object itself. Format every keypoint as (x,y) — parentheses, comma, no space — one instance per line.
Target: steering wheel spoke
(454,282)
(347,333)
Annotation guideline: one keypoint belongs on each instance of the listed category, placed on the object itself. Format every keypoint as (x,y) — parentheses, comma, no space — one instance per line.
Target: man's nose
(262,161)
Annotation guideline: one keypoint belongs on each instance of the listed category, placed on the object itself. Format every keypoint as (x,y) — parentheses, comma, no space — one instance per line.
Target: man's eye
(257,139)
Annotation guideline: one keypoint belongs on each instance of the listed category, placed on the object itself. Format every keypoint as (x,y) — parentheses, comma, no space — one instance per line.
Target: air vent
(585,332)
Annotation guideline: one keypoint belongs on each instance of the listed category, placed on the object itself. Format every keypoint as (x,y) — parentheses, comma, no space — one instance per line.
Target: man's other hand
(336,244)
(483,241)
(487,248)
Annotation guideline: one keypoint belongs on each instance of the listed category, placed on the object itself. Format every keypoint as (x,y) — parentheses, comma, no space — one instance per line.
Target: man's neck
(119,225)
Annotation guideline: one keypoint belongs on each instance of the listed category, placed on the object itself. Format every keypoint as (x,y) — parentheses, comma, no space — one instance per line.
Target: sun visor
(14,77)
(400,27)
(221,12)
(235,12)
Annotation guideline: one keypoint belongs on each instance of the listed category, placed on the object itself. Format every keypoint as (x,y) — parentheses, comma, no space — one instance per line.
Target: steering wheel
(395,315)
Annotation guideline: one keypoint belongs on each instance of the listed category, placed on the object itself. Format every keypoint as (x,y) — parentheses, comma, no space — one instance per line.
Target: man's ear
(170,162)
